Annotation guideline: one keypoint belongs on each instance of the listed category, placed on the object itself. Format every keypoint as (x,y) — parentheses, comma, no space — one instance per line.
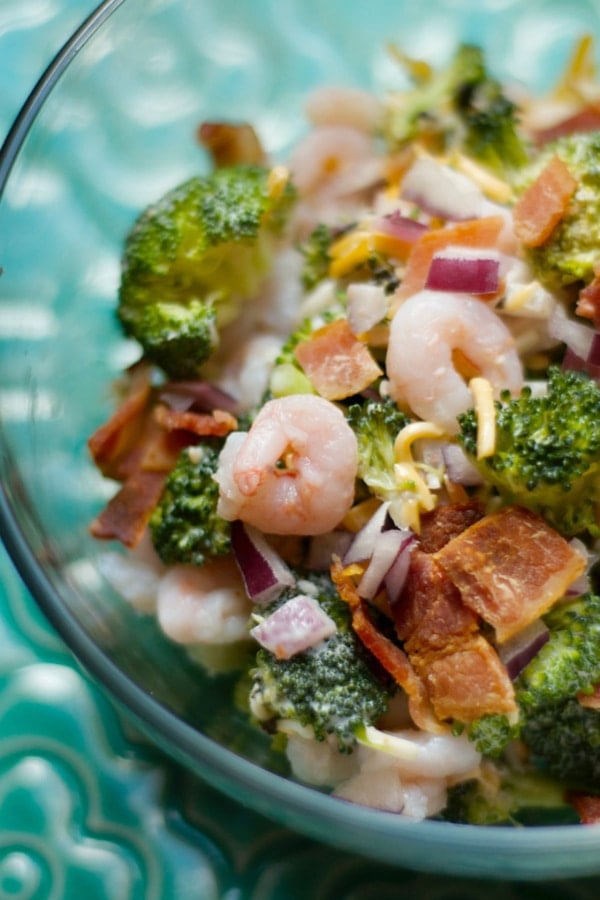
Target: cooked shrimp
(206,605)
(334,168)
(294,472)
(425,332)
(336,105)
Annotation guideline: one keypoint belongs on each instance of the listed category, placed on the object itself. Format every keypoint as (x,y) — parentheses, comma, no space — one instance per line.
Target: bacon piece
(112,442)
(126,515)
(510,568)
(230,144)
(216,424)
(590,701)
(336,362)
(467,682)
(588,302)
(391,657)
(587,807)
(430,613)
(543,204)
(446,522)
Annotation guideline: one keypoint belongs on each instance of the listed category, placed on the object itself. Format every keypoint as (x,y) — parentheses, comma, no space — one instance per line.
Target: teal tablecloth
(89,811)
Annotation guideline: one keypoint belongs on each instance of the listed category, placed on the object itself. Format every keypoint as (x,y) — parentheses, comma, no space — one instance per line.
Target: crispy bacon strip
(446,522)
(389,655)
(467,682)
(586,119)
(336,362)
(590,701)
(541,207)
(587,807)
(230,144)
(588,302)
(510,568)
(216,424)
(112,442)
(430,614)
(126,515)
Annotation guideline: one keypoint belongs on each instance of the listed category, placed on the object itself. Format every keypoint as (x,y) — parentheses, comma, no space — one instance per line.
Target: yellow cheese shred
(483,401)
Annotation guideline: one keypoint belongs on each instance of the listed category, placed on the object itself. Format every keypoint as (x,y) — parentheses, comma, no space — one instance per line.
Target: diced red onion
(442,191)
(577,336)
(521,649)
(459,467)
(263,571)
(201,395)
(466,274)
(297,625)
(363,545)
(322,547)
(395,578)
(402,227)
(582,584)
(389,544)
(573,363)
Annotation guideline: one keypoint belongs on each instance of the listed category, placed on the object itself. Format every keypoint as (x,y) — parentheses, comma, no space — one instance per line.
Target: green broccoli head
(207,243)
(315,256)
(564,740)
(331,688)
(460,106)
(569,662)
(571,252)
(547,454)
(551,720)
(376,424)
(176,336)
(508,797)
(185,527)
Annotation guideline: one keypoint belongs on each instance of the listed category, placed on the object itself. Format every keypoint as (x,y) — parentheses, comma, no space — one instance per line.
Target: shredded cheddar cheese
(483,399)
(411,433)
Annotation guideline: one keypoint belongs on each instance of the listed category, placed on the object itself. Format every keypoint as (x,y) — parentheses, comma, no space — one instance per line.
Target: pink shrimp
(294,472)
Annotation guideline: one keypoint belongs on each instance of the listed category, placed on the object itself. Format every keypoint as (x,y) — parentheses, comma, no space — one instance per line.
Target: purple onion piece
(363,545)
(459,467)
(466,274)
(297,625)
(389,545)
(518,652)
(263,571)
(397,574)
(202,396)
(323,547)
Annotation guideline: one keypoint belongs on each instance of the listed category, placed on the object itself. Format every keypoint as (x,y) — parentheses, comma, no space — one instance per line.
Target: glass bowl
(108,128)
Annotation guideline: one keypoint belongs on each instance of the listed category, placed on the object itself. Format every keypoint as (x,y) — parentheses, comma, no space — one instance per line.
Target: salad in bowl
(356,460)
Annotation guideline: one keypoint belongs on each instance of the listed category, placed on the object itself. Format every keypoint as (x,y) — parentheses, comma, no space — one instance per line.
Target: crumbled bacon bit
(126,515)
(391,657)
(588,302)
(216,424)
(510,568)
(337,363)
(231,144)
(543,204)
(590,701)
(587,807)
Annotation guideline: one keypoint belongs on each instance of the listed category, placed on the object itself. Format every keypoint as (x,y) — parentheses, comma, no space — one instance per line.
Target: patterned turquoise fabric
(87,808)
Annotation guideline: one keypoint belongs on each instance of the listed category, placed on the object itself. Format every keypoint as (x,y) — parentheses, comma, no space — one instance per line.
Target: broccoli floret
(191,260)
(316,259)
(571,252)
(547,453)
(330,688)
(185,527)
(491,734)
(459,107)
(562,736)
(376,424)
(508,797)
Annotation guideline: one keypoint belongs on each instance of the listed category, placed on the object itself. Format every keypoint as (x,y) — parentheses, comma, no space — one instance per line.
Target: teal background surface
(88,809)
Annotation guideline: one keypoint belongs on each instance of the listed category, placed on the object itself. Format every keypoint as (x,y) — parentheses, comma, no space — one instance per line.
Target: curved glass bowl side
(107,127)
